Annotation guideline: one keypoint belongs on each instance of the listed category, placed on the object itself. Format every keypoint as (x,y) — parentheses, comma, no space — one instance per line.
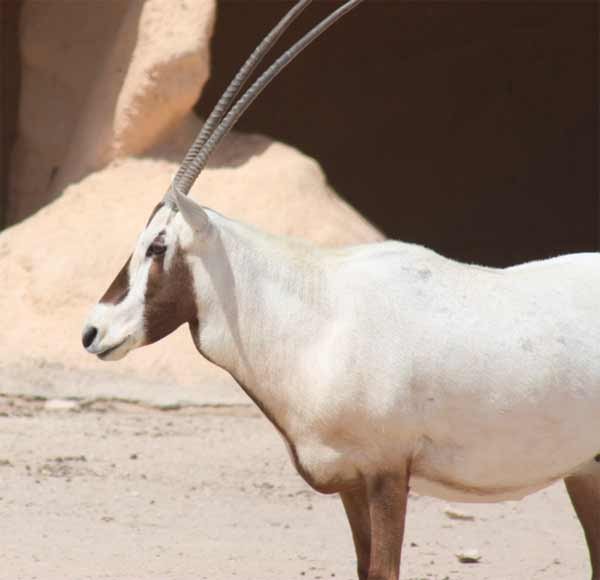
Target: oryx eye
(156,249)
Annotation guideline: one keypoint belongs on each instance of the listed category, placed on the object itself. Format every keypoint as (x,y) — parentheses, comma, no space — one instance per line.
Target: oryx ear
(193,213)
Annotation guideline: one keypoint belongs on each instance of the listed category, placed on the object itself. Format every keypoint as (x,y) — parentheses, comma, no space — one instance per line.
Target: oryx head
(153,294)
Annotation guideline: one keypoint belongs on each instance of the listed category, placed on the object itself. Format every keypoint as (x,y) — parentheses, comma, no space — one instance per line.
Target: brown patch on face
(169,300)
(119,288)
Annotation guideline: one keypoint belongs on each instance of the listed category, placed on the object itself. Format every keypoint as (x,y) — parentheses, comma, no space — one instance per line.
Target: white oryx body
(487,381)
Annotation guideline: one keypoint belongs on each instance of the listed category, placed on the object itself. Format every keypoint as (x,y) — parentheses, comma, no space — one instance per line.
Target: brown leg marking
(387,496)
(357,509)
(584,491)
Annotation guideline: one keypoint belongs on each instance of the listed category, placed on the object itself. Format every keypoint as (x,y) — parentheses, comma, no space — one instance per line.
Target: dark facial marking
(157,247)
(169,300)
(119,288)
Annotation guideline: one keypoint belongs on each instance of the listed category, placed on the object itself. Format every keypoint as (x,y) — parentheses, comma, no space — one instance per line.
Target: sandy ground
(123,491)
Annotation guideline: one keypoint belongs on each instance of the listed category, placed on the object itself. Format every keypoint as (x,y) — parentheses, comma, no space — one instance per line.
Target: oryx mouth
(102,355)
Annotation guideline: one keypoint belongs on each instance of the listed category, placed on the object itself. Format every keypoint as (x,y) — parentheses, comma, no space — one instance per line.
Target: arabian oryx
(383,366)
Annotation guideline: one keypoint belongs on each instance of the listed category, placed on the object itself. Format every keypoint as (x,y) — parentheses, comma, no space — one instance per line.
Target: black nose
(89,335)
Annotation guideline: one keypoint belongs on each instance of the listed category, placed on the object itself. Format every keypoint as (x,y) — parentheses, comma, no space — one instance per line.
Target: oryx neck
(293,267)
(252,289)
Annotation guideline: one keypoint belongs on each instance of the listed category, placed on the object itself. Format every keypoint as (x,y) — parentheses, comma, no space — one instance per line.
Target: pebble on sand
(60,405)
(468,556)
(455,514)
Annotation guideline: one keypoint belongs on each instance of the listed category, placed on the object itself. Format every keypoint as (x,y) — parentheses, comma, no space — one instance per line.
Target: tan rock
(101,80)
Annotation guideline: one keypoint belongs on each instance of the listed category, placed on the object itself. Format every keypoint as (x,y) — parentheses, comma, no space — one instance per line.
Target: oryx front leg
(387,496)
(356,505)
(584,490)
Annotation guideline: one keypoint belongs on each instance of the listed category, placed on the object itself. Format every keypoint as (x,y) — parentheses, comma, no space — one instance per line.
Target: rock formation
(99,81)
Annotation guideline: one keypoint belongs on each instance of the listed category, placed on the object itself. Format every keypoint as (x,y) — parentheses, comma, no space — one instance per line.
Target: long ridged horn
(197,161)
(185,182)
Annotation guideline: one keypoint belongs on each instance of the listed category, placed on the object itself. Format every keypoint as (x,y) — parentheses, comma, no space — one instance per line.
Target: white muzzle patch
(119,328)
